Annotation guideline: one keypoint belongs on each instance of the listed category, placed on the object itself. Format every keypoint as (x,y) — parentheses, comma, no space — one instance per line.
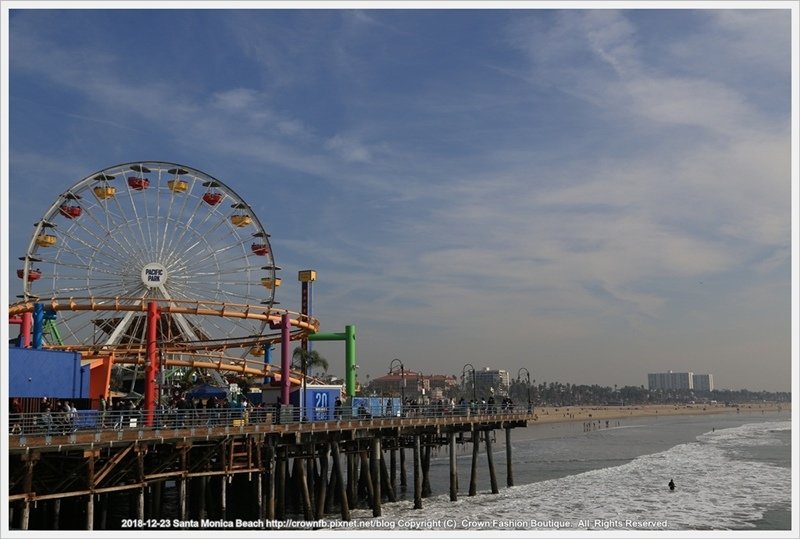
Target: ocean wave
(714,491)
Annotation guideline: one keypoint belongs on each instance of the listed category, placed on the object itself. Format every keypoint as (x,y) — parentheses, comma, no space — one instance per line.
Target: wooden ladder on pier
(240,454)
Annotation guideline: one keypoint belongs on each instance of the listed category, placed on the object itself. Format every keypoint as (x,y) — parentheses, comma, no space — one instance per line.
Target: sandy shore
(550,414)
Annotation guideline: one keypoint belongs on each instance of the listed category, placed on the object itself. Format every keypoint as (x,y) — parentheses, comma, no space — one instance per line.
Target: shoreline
(565,414)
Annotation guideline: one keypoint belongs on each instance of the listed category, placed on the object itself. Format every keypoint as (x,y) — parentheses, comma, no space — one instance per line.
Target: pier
(66,476)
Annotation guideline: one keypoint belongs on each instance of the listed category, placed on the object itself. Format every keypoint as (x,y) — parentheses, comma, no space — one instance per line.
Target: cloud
(735,44)
(573,179)
(237,99)
(348,149)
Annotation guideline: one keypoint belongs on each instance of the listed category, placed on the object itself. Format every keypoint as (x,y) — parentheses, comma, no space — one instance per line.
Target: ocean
(732,472)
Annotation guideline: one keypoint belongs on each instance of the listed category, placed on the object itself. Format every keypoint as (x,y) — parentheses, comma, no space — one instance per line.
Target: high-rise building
(703,382)
(492,379)
(670,380)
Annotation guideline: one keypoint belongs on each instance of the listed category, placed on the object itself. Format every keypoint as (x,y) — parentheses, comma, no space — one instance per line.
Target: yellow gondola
(178,186)
(241,220)
(104,191)
(269,282)
(45,240)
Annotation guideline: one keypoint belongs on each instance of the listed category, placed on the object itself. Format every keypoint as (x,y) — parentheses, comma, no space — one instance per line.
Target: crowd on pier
(56,416)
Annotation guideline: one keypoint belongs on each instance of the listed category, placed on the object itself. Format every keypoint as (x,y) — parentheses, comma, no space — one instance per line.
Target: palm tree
(303,360)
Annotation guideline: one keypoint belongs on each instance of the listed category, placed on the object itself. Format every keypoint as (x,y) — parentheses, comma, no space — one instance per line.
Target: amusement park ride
(154,266)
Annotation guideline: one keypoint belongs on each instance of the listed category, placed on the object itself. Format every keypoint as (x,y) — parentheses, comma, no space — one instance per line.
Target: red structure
(151,372)
(25,321)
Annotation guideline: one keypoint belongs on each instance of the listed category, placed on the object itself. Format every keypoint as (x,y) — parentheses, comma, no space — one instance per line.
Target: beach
(555,414)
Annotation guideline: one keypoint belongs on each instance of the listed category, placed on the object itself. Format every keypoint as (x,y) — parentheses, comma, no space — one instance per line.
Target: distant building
(670,380)
(445,382)
(488,379)
(411,384)
(703,382)
(395,384)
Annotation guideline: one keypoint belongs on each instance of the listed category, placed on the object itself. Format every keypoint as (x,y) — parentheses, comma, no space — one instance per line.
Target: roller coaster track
(301,324)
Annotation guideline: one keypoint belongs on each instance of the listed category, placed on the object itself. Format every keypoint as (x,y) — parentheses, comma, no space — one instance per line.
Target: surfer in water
(671,484)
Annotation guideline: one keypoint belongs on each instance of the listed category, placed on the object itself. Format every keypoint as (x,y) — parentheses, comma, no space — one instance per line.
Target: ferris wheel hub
(154,275)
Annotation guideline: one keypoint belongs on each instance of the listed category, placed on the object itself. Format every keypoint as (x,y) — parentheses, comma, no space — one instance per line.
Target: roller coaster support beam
(286,344)
(38,325)
(151,372)
(349,338)
(25,322)
(40,314)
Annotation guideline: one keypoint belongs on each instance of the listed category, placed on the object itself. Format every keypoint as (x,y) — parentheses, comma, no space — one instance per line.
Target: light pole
(403,380)
(528,383)
(464,376)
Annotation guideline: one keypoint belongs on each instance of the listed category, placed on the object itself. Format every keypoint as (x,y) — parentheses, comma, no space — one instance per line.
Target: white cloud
(236,99)
(737,43)
(465,208)
(348,148)
(611,37)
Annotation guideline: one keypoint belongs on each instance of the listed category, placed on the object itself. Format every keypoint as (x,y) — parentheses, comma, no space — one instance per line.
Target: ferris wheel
(150,231)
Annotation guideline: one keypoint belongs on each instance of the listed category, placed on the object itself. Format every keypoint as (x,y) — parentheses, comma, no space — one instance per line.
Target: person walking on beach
(671,484)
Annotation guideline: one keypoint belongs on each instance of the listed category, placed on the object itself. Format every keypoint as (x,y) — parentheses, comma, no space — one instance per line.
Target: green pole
(349,338)
(350,359)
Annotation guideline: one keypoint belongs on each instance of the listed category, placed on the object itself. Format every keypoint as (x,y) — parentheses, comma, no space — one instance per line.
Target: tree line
(558,394)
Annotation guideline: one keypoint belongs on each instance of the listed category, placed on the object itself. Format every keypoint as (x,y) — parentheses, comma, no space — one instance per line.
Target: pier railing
(49,423)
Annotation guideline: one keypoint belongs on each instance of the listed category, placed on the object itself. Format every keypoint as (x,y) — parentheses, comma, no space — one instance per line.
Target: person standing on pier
(47,420)
(103,408)
(337,408)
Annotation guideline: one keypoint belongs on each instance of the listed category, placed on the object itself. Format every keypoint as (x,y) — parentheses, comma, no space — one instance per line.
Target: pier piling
(490,461)
(403,484)
(453,469)
(375,466)
(509,471)
(213,473)
(473,474)
(337,470)
(417,475)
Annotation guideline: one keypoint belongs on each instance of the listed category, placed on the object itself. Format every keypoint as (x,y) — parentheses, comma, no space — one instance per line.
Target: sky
(592,195)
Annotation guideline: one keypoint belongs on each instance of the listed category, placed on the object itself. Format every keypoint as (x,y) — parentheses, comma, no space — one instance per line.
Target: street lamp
(464,375)
(528,374)
(402,377)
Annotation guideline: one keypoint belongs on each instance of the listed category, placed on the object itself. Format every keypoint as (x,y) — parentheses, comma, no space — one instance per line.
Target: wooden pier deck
(315,470)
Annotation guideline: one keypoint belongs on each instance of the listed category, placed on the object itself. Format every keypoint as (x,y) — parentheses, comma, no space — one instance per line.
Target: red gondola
(138,183)
(33,274)
(212,198)
(70,212)
(260,249)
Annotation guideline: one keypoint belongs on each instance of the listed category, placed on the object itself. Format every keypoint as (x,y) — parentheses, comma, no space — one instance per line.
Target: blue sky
(590,194)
